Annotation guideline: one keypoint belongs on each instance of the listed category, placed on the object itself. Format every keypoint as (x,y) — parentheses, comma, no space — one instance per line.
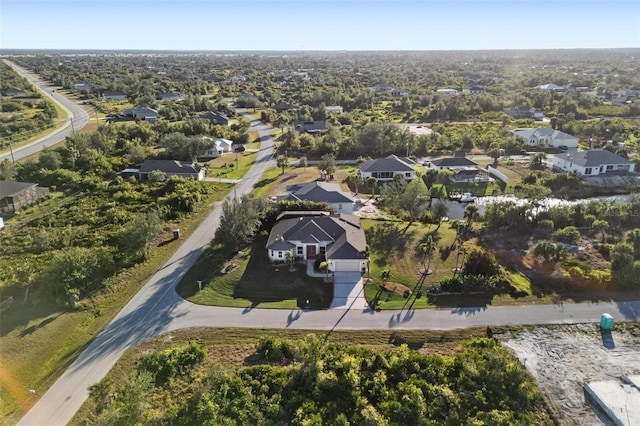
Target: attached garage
(347,265)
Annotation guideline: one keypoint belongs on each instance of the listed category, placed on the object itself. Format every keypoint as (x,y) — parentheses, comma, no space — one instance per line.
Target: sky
(318,24)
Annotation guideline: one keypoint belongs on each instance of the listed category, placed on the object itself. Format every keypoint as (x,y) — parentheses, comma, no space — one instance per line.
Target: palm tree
(290,259)
(427,249)
(462,252)
(372,183)
(283,162)
(601,226)
(471,213)
(356,179)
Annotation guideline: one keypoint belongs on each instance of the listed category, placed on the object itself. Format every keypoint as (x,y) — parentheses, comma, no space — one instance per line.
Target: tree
(7,170)
(372,183)
(414,199)
(545,249)
(283,162)
(290,259)
(356,179)
(427,249)
(239,222)
(633,238)
(471,213)
(494,153)
(601,225)
(51,160)
(439,211)
(135,240)
(328,164)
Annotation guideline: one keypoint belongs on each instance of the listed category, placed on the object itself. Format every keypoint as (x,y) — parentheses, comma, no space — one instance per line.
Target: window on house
(271,253)
(408,174)
(587,171)
(299,251)
(609,167)
(339,206)
(323,249)
(280,254)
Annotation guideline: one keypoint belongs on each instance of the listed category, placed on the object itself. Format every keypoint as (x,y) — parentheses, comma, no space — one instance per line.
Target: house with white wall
(546,137)
(592,162)
(323,192)
(339,237)
(385,169)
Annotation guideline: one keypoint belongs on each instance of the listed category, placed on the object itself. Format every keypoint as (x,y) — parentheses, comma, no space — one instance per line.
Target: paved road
(78,118)
(157,309)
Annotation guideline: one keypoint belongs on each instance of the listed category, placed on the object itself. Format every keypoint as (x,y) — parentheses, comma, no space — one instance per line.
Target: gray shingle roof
(170,166)
(10,188)
(310,126)
(453,162)
(391,163)
(343,232)
(546,132)
(320,192)
(594,158)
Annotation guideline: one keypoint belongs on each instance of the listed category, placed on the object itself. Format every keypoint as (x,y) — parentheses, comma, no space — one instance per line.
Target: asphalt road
(157,309)
(78,118)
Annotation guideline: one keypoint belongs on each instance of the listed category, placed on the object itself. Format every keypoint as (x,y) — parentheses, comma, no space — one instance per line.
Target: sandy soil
(562,358)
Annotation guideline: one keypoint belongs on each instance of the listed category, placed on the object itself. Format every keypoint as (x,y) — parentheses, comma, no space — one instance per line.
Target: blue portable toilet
(606,322)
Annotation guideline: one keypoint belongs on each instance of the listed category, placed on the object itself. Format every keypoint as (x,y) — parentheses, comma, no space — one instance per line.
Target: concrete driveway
(348,291)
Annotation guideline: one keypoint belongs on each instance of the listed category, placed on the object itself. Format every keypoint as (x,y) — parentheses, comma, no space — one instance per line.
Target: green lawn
(227,166)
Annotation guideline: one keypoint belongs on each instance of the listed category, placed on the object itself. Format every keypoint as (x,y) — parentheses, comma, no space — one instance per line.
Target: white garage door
(346,265)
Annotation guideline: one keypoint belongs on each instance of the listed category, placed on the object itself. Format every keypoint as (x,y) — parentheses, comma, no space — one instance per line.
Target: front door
(311,252)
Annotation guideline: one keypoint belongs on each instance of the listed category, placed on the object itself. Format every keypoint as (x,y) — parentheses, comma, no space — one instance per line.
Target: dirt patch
(563,358)
(397,287)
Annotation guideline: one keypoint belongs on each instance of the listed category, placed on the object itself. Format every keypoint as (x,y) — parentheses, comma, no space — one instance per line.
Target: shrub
(569,234)
(172,362)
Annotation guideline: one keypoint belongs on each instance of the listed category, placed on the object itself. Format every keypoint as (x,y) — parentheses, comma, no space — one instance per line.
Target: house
(523,111)
(333,109)
(170,97)
(448,91)
(220,146)
(114,96)
(385,169)
(170,168)
(313,127)
(451,163)
(473,89)
(82,86)
(381,88)
(141,113)
(545,137)
(283,106)
(339,237)
(592,162)
(15,195)
(340,202)
(551,87)
(216,118)
(399,92)
(13,92)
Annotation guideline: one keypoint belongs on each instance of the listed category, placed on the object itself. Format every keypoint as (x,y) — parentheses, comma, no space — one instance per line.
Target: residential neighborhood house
(313,127)
(333,109)
(340,202)
(15,195)
(170,168)
(464,170)
(283,106)
(141,113)
(545,137)
(216,118)
(523,111)
(592,162)
(385,169)
(339,237)
(169,97)
(220,146)
(114,96)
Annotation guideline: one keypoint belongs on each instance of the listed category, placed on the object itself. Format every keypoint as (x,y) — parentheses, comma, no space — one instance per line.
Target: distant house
(448,91)
(237,78)
(399,92)
(12,91)
(592,163)
(82,86)
(473,89)
(385,169)
(170,97)
(333,109)
(318,126)
(545,137)
(339,237)
(450,163)
(381,88)
(141,113)
(216,118)
(15,195)
(283,106)
(330,193)
(170,168)
(114,96)
(220,146)
(551,87)
(523,111)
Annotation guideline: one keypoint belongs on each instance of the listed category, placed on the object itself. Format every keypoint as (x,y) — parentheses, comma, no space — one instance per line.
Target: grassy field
(227,166)
(39,340)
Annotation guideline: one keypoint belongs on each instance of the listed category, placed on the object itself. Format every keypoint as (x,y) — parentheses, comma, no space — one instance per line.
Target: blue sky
(318,24)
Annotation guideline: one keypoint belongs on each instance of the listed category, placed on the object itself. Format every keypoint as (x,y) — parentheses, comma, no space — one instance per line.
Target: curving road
(78,118)
(157,309)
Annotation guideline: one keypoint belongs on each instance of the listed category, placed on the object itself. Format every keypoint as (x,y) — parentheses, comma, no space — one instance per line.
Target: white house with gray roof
(323,192)
(385,169)
(339,237)
(546,137)
(592,163)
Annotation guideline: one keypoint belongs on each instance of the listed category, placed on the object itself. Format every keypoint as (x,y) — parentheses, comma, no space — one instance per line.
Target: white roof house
(545,137)
(323,192)
(385,169)
(592,163)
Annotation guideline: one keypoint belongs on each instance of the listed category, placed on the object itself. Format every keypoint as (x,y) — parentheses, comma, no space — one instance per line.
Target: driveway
(348,291)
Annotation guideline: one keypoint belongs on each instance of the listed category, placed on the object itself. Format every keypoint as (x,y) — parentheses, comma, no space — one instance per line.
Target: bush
(569,234)
(172,362)
(481,262)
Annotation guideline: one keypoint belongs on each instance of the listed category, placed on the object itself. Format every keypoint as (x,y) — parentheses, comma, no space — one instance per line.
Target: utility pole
(11,150)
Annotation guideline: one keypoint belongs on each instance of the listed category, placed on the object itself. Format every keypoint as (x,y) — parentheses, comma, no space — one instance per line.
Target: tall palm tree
(427,249)
(633,238)
(471,213)
(462,252)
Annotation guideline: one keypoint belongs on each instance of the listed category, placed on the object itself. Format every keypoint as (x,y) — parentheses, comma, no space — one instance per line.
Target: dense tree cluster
(308,382)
